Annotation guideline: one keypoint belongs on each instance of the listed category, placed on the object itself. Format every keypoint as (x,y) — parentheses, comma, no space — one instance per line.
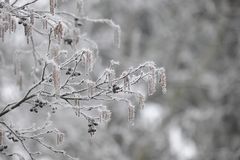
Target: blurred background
(197,41)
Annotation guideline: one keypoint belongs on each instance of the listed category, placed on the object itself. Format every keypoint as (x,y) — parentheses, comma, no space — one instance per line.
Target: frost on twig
(63,75)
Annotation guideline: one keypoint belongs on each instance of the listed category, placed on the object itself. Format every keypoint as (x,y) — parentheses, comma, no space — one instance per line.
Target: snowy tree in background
(60,60)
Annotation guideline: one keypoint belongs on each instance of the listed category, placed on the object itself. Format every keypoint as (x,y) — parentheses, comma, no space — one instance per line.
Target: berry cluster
(68,41)
(54,109)
(38,104)
(3,147)
(70,70)
(22,21)
(78,23)
(11,137)
(116,88)
(92,126)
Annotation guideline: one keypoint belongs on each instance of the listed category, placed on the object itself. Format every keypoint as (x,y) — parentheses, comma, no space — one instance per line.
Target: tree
(63,76)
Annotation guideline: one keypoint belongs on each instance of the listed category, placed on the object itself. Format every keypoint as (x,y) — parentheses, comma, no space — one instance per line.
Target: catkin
(77,107)
(58,31)
(163,81)
(52,6)
(32,18)
(151,85)
(56,71)
(117,36)
(141,101)
(105,115)
(131,113)
(60,137)
(90,88)
(1,137)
